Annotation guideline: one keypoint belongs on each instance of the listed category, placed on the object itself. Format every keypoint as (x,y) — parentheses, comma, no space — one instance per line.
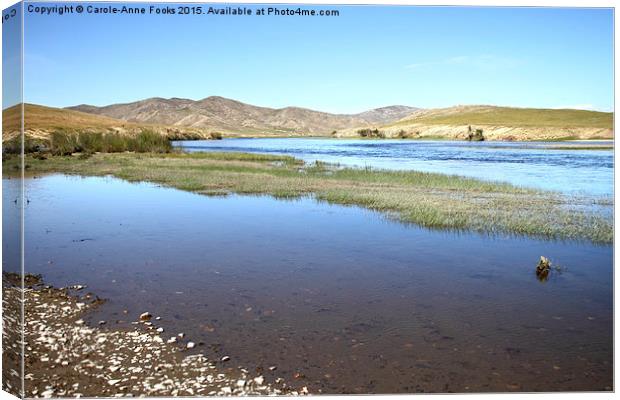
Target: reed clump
(62,143)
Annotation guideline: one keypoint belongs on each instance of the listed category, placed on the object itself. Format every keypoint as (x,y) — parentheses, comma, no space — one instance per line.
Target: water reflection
(340,299)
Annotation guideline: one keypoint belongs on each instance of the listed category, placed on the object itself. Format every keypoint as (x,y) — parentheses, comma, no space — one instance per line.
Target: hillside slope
(188,119)
(41,121)
(236,118)
(498,123)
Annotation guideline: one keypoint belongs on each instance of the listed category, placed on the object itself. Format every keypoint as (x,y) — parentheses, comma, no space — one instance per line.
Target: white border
(489,3)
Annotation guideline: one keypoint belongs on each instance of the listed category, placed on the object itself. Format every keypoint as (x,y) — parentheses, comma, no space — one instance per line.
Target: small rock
(145,316)
(240,383)
(191,345)
(273,368)
(160,330)
(113,381)
(259,380)
(225,358)
(101,322)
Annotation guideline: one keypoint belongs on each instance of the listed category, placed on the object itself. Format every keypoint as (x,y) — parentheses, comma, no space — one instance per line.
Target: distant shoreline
(421,139)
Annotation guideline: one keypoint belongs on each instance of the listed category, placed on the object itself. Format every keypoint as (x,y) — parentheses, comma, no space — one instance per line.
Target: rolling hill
(207,118)
(240,119)
(498,123)
(41,121)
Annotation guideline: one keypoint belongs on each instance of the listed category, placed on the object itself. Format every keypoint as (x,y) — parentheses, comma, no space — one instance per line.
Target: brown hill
(497,123)
(41,121)
(237,118)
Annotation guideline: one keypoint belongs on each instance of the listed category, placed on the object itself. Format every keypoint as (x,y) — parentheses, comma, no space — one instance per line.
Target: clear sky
(11,56)
(367,57)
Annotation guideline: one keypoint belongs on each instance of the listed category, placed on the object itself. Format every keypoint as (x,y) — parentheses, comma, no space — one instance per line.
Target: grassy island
(427,199)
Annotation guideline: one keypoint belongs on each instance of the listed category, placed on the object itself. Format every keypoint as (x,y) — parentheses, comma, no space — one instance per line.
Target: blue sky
(367,57)
(11,60)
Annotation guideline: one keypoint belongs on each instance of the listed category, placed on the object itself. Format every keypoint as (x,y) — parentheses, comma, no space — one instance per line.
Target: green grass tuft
(430,200)
(63,143)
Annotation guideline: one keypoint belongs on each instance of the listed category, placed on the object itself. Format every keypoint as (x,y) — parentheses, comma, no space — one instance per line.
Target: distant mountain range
(214,117)
(234,117)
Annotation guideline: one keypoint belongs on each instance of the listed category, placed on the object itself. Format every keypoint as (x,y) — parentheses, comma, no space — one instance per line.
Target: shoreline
(430,200)
(67,358)
(404,139)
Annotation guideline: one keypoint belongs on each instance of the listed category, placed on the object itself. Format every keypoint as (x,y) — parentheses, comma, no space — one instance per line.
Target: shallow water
(340,299)
(583,172)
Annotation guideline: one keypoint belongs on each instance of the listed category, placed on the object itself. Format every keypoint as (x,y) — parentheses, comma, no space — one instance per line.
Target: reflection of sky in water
(525,164)
(322,272)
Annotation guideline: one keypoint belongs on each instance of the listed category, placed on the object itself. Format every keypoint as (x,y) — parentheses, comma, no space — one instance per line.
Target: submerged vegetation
(427,199)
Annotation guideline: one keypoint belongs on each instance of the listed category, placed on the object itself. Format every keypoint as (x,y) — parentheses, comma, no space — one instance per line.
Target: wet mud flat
(64,357)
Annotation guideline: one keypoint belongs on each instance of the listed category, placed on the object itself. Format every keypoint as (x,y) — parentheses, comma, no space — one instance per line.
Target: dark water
(529,164)
(338,298)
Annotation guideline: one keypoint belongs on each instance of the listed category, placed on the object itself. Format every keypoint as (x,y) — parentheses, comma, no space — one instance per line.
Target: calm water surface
(338,298)
(529,164)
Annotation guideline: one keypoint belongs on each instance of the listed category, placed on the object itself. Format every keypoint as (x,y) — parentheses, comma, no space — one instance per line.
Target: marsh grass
(64,142)
(427,199)
(14,145)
